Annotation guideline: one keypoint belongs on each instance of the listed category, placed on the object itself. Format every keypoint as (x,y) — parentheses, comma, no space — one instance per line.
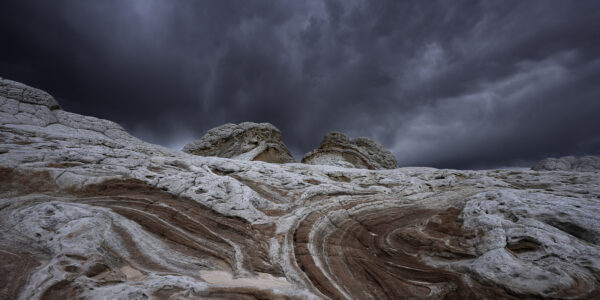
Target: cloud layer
(460,84)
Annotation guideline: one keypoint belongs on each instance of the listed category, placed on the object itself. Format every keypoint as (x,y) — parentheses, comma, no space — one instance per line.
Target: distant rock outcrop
(569,163)
(244,141)
(337,149)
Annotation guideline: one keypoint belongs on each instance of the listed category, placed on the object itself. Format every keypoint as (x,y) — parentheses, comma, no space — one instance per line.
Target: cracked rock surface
(88,211)
(244,141)
(26,94)
(337,149)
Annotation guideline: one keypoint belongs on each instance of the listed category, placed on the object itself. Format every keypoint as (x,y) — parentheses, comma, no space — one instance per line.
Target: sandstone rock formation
(244,141)
(569,163)
(337,149)
(25,94)
(87,211)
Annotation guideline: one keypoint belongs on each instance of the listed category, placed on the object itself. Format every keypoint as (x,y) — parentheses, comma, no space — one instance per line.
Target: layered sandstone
(337,149)
(88,211)
(569,163)
(245,141)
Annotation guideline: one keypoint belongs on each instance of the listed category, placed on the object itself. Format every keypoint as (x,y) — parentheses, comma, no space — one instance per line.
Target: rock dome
(244,141)
(337,149)
(569,163)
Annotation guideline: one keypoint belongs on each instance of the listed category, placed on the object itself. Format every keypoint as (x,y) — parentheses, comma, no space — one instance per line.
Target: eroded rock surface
(569,163)
(87,211)
(337,149)
(244,141)
(25,94)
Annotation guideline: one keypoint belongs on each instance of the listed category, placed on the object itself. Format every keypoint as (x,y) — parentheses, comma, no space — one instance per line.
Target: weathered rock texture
(337,149)
(569,163)
(87,211)
(25,94)
(244,141)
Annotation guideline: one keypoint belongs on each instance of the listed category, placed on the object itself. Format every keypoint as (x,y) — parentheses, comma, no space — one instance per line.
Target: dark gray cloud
(457,84)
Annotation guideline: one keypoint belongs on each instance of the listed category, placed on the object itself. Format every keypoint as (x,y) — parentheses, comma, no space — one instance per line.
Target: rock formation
(88,211)
(337,149)
(244,141)
(569,163)
(25,94)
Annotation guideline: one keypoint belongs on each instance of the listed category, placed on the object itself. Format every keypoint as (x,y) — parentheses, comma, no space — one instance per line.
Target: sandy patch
(131,273)
(263,280)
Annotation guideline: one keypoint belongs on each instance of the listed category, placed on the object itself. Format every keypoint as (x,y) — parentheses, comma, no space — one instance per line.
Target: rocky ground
(88,211)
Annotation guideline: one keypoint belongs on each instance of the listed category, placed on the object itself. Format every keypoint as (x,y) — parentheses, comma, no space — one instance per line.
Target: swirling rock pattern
(87,211)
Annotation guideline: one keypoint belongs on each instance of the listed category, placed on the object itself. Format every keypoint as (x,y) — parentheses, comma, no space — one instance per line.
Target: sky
(448,84)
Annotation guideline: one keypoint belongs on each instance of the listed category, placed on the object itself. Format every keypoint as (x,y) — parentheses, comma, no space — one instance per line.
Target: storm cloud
(458,84)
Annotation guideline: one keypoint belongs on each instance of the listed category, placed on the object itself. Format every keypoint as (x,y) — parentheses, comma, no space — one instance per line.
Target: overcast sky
(456,84)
